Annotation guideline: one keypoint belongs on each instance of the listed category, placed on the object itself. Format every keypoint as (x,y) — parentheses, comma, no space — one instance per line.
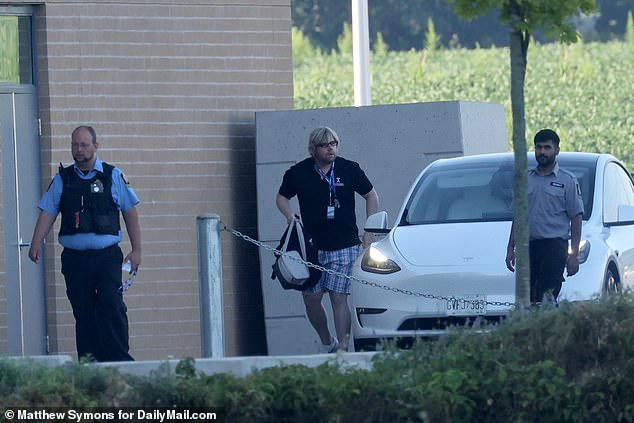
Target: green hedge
(574,363)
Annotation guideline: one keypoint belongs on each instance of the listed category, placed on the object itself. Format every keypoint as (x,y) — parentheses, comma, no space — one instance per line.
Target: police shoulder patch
(125,180)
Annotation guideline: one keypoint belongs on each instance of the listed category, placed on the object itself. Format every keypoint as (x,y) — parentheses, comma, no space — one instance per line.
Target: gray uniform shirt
(553,200)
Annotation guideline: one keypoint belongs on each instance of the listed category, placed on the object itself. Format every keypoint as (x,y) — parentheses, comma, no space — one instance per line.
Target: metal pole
(361,53)
(212,341)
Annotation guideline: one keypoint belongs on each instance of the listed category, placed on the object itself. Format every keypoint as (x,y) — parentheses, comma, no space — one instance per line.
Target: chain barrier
(260,244)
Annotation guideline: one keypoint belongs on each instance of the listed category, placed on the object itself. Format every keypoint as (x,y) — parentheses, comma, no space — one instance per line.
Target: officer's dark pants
(93,278)
(547,261)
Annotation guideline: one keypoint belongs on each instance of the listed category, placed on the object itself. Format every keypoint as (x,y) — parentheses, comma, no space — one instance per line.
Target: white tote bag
(288,268)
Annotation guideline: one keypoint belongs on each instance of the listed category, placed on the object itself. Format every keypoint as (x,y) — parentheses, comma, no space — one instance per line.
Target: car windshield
(477,192)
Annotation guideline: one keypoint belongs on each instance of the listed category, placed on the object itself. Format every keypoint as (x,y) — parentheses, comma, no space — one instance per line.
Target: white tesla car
(443,262)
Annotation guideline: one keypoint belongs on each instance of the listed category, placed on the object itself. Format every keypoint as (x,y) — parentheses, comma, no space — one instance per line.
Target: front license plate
(467,305)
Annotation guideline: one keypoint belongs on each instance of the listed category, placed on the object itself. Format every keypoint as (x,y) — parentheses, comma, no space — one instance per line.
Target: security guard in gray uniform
(89,195)
(555,211)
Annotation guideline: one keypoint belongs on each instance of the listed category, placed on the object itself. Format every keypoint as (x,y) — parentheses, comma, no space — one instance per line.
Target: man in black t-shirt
(325,186)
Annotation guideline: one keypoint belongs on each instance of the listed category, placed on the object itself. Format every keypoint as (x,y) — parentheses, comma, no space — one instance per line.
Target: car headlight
(374,261)
(584,251)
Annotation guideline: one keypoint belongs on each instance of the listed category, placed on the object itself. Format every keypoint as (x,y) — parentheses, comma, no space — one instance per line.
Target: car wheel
(611,283)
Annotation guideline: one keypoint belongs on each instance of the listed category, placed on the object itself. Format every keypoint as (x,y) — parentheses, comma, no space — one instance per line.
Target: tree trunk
(518,49)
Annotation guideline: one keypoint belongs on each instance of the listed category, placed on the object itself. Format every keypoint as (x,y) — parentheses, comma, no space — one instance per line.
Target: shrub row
(574,363)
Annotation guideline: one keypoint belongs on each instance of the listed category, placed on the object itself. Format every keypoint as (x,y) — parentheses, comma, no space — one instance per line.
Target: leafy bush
(574,363)
(29,384)
(344,41)
(303,49)
(9,50)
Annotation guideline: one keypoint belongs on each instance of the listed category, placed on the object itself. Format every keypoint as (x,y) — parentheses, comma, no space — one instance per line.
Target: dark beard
(545,161)
(84,160)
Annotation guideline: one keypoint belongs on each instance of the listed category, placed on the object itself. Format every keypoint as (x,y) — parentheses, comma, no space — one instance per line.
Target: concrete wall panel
(392,143)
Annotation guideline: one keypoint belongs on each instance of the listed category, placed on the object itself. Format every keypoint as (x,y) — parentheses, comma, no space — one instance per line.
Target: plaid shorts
(339,261)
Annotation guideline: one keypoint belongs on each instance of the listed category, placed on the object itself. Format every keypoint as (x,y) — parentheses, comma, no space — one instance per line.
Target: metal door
(26,292)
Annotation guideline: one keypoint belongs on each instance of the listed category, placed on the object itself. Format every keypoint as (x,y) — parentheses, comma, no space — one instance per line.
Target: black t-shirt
(312,191)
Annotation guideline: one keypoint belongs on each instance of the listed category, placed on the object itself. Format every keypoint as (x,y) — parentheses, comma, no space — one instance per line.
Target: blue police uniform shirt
(123,195)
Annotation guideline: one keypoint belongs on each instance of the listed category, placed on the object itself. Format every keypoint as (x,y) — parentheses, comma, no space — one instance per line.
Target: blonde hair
(321,135)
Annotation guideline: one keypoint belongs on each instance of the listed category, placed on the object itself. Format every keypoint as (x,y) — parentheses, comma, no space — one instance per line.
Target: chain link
(260,244)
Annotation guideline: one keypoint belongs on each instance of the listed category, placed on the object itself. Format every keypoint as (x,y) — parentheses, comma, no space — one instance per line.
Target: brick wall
(4,332)
(171,88)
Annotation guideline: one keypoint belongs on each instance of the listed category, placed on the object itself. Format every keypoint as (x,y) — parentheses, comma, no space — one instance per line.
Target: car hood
(453,244)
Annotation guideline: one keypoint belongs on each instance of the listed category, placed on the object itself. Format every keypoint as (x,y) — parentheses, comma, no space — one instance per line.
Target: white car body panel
(454,259)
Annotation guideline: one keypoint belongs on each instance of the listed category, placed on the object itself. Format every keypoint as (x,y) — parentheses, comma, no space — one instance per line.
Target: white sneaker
(329,348)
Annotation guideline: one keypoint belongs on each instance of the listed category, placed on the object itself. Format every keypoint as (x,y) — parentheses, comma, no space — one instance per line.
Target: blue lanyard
(126,284)
(332,188)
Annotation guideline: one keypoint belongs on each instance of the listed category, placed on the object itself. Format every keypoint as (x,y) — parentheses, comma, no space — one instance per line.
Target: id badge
(330,212)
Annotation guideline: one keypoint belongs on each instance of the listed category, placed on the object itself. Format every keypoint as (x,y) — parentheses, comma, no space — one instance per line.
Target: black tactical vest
(86,205)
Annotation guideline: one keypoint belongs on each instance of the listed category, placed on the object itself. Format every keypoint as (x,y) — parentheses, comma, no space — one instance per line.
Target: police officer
(555,211)
(89,195)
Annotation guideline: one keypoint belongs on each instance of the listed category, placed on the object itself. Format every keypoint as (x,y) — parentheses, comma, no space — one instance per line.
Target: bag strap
(300,236)
(289,229)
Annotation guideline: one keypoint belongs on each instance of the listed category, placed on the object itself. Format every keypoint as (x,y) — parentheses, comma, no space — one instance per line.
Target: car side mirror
(377,223)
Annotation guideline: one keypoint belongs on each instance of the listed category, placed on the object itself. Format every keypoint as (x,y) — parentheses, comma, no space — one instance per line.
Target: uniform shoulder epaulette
(568,173)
